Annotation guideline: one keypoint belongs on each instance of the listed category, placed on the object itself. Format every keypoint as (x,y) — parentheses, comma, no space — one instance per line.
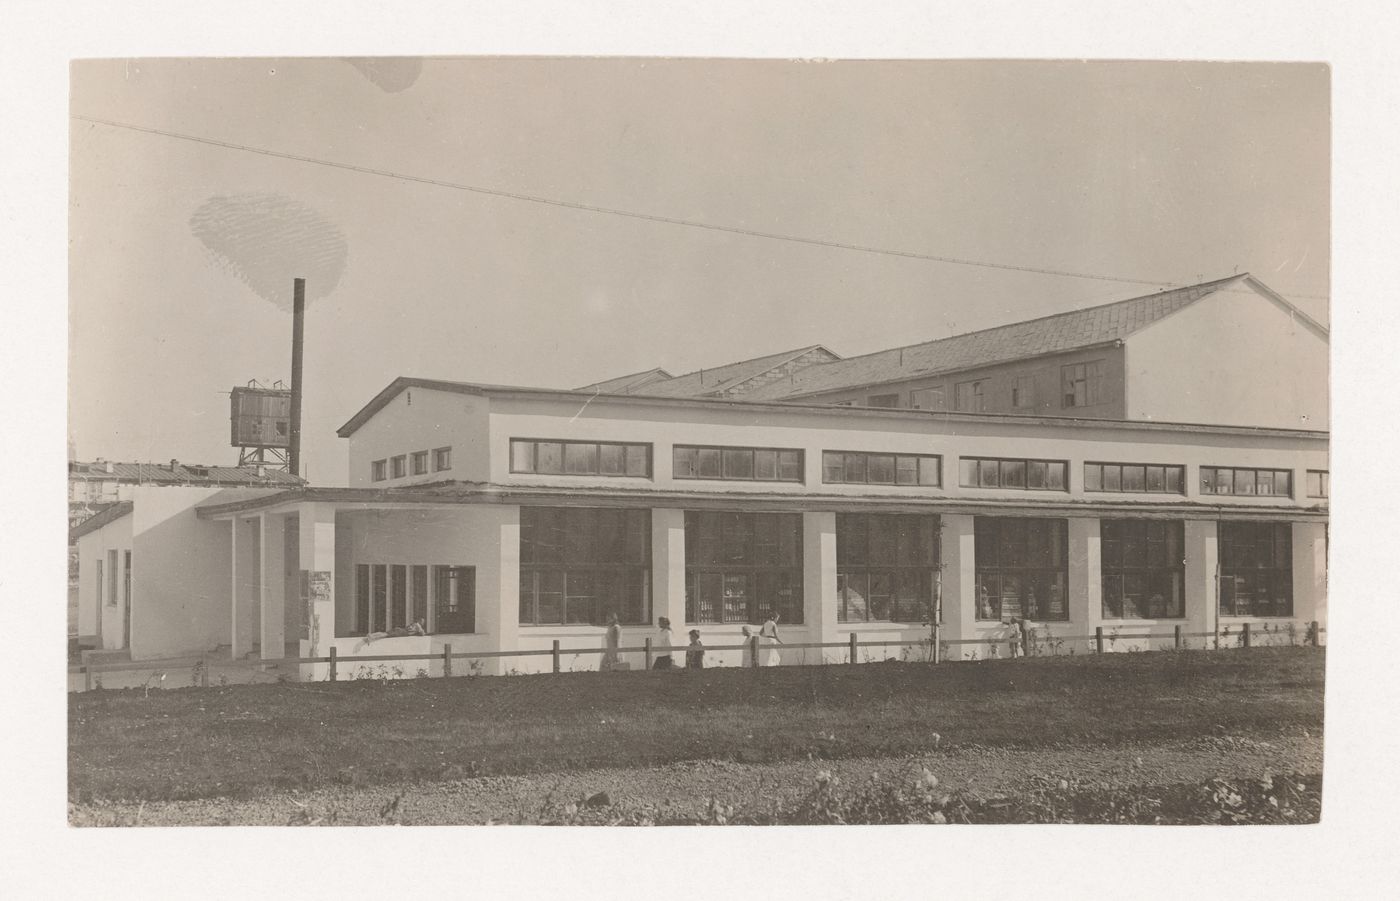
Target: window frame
(1091,374)
(935,393)
(896,457)
(398,466)
(442,458)
(379,470)
(1323,480)
(415,459)
(1023,392)
(886,401)
(1118,565)
(597,457)
(1236,472)
(988,565)
(695,452)
(1234,570)
(734,551)
(976,391)
(862,564)
(1025,462)
(1102,479)
(558,544)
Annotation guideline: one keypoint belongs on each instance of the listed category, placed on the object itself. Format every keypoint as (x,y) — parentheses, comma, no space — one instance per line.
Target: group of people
(768,642)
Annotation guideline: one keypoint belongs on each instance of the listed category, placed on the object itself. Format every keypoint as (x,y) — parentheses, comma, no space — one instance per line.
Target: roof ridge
(788,353)
(1211,285)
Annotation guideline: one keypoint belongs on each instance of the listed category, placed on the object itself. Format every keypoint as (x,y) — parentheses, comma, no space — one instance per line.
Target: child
(695,654)
(1016,637)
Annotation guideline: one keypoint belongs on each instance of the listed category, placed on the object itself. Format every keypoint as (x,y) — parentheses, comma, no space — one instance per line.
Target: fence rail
(935,644)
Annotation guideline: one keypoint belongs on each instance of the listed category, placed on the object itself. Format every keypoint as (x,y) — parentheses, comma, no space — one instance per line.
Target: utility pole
(298,325)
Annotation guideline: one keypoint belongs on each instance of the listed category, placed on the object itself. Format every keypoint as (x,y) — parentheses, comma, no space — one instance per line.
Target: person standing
(664,661)
(1014,640)
(611,639)
(747,660)
(695,653)
(769,641)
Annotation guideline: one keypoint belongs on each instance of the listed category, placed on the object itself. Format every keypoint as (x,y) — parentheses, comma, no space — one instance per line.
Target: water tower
(261,421)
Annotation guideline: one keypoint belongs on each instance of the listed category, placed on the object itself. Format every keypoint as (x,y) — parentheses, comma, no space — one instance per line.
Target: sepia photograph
(619,441)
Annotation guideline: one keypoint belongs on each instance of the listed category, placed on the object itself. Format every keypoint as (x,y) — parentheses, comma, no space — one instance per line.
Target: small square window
(420,463)
(378,470)
(398,466)
(442,459)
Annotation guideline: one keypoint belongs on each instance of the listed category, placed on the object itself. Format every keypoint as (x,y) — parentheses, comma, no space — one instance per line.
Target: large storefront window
(1143,569)
(741,566)
(1021,569)
(579,564)
(1256,569)
(886,567)
(394,596)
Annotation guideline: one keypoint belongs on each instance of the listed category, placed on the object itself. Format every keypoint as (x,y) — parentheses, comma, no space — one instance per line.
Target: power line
(632,214)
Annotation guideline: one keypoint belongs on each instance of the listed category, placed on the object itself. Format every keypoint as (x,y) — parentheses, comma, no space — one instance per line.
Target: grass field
(243,741)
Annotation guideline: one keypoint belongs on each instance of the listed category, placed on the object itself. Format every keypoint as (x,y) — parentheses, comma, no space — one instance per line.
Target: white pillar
(273,639)
(819,601)
(316,557)
(236,649)
(1085,601)
(503,591)
(1310,573)
(668,568)
(1202,561)
(958,546)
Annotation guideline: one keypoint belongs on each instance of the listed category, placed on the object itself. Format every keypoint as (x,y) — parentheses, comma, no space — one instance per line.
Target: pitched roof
(1056,333)
(717,381)
(624,384)
(177,473)
(112,513)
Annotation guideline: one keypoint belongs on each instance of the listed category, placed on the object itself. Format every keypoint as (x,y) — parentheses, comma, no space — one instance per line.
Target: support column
(819,601)
(668,568)
(498,589)
(247,586)
(1310,573)
(959,582)
(236,648)
(1085,601)
(1202,566)
(316,557)
(273,638)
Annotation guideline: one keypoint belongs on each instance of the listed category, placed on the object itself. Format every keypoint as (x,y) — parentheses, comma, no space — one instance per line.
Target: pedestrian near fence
(769,641)
(664,661)
(695,652)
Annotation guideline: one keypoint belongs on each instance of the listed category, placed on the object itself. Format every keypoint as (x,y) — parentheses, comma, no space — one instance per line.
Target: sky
(182,252)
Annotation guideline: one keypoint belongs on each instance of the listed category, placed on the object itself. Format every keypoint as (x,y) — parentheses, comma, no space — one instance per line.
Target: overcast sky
(183,253)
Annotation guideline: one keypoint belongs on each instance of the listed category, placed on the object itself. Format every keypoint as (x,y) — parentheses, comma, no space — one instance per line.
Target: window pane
(1175,478)
(581,459)
(709,463)
(765,464)
(683,462)
(929,473)
(638,460)
(1156,480)
(610,460)
(1112,477)
(967,472)
(1244,481)
(1035,474)
(790,465)
(881,469)
(1055,476)
(549,457)
(1134,478)
(736,598)
(989,473)
(1013,474)
(1283,482)
(833,467)
(737,464)
(906,470)
(1093,477)
(855,468)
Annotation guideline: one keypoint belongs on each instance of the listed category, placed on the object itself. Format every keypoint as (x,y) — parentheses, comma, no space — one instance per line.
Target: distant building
(92,487)
(1227,352)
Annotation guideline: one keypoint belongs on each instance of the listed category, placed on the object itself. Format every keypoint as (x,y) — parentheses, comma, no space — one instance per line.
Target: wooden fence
(933,647)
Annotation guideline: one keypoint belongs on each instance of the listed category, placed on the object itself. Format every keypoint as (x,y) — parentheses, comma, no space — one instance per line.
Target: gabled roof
(625,384)
(715,382)
(1057,333)
(113,513)
(177,473)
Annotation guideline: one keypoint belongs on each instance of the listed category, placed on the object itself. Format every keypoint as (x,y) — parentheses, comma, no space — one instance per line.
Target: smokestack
(298,319)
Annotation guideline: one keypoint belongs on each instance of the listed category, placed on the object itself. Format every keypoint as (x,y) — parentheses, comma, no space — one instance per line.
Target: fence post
(648,653)
(1315,636)
(1245,634)
(332,673)
(937,652)
(853,647)
(87,677)
(753,652)
(556,655)
(1178,638)
(1098,639)
(447,660)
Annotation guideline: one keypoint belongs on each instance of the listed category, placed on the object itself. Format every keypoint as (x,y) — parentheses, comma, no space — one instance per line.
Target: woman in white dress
(769,641)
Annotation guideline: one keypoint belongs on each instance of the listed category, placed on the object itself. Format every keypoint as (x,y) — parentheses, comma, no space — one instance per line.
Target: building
(105,488)
(506,519)
(1228,352)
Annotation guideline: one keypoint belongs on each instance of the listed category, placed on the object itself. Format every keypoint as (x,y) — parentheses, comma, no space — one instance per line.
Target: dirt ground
(682,791)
